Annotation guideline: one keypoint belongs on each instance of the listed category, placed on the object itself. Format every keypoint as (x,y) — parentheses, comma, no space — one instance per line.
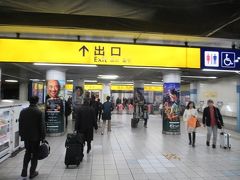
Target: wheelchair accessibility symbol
(228,59)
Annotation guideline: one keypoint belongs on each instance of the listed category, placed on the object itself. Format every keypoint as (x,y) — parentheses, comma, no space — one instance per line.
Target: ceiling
(202,18)
(212,23)
(26,71)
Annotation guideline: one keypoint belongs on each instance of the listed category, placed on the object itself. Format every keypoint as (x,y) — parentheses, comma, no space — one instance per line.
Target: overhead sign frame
(97,53)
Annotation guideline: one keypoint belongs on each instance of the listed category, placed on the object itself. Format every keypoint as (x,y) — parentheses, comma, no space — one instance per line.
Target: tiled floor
(134,154)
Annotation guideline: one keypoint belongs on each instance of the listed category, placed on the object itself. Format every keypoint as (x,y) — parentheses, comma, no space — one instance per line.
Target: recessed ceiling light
(200,77)
(11,81)
(146,67)
(108,76)
(71,65)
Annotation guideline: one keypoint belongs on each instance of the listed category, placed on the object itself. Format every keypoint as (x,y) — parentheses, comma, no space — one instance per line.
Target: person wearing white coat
(190,112)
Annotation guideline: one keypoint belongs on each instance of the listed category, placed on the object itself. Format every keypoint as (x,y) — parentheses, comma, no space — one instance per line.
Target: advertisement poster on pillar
(78,95)
(54,106)
(171,104)
(139,95)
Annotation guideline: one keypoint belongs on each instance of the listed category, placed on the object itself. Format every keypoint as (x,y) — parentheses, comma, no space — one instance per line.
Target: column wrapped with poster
(54,111)
(138,103)
(171,108)
(78,96)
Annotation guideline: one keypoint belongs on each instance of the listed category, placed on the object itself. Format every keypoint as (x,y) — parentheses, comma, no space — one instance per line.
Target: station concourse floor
(134,154)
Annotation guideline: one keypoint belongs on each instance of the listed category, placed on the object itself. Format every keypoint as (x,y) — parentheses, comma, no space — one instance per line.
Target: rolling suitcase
(225,140)
(74,149)
(134,122)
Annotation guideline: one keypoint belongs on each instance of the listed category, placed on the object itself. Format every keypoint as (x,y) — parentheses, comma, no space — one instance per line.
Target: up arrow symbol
(83,49)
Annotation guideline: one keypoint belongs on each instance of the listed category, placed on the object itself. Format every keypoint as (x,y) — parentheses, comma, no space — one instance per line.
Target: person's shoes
(102,133)
(33,175)
(190,143)
(213,146)
(24,174)
(88,149)
(207,143)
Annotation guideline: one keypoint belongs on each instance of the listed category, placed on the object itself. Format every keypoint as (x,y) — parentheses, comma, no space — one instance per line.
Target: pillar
(138,99)
(78,92)
(55,80)
(238,105)
(23,91)
(193,92)
(171,102)
(106,91)
(0,83)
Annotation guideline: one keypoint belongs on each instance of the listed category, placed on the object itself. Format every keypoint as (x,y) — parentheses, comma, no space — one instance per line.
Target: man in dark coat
(32,131)
(213,119)
(86,121)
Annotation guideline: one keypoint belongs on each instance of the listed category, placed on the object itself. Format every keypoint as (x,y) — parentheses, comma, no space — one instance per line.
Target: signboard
(93,87)
(122,87)
(49,51)
(54,107)
(171,108)
(220,59)
(153,88)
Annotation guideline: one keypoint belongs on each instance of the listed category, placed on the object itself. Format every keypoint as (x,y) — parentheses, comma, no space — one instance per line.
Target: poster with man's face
(54,106)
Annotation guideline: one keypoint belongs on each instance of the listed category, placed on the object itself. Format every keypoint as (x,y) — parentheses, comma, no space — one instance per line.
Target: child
(145,116)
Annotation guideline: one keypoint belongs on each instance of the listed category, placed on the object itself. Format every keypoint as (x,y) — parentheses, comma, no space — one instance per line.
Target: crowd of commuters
(32,125)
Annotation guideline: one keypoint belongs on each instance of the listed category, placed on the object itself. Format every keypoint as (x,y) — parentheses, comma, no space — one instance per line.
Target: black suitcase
(74,149)
(134,122)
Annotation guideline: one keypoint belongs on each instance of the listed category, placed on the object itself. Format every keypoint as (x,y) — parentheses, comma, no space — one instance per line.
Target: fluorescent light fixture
(71,65)
(122,82)
(156,82)
(91,81)
(11,81)
(69,80)
(149,67)
(218,70)
(108,76)
(7,100)
(200,77)
(34,79)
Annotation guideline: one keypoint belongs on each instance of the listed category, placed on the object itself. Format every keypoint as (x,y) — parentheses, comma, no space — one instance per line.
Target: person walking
(212,118)
(145,115)
(191,114)
(106,115)
(86,121)
(99,109)
(68,111)
(32,130)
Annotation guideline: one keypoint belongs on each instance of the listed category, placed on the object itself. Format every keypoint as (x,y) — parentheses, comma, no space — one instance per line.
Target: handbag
(192,122)
(198,124)
(44,150)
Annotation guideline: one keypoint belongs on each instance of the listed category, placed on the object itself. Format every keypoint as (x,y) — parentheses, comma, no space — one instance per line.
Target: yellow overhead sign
(153,88)
(131,88)
(86,87)
(49,51)
(69,87)
(93,86)
(122,87)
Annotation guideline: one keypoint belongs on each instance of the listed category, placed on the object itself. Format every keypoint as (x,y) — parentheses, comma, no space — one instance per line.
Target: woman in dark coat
(86,121)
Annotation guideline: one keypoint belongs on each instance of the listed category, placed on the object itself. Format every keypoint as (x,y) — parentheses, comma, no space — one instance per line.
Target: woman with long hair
(190,114)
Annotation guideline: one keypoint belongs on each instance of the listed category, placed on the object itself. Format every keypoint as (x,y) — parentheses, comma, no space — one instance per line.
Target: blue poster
(171,108)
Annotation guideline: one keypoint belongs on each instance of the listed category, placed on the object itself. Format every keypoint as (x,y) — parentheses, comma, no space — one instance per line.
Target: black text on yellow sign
(46,51)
